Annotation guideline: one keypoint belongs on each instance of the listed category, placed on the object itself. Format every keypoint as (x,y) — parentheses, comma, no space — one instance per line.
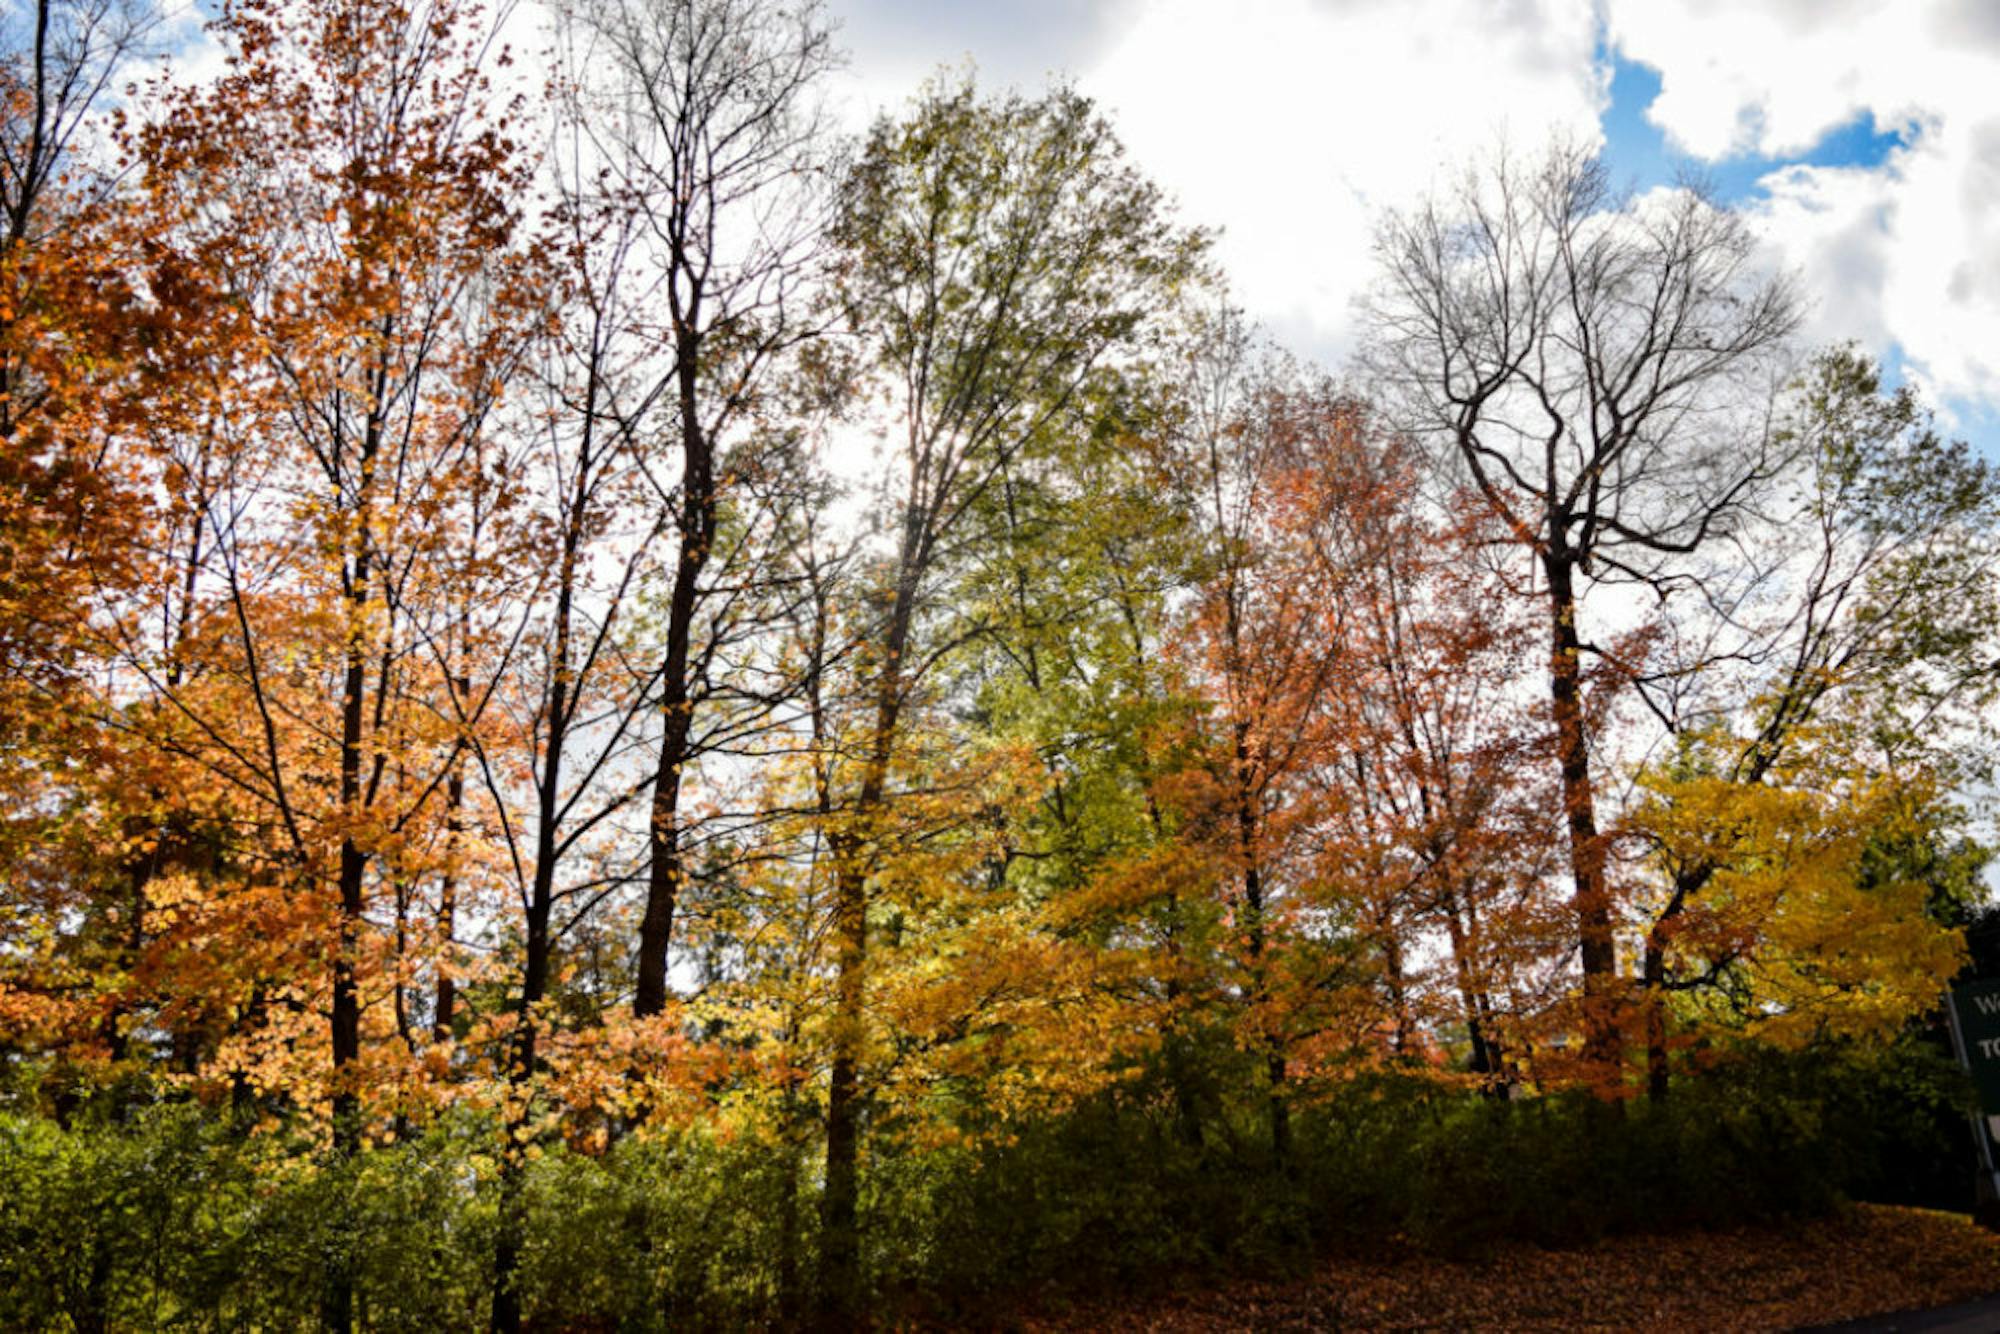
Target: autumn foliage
(467,699)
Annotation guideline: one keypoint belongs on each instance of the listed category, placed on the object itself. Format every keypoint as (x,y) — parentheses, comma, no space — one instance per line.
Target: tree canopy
(600,640)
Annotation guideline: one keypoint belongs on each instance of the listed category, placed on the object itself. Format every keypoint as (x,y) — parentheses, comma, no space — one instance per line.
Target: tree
(348,191)
(704,112)
(1777,925)
(68,314)
(574,545)
(1600,369)
(1076,590)
(74,339)
(1432,799)
(1363,782)
(995,258)
(1873,621)
(1258,653)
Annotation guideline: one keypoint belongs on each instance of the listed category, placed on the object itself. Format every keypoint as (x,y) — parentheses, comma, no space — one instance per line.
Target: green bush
(170,1217)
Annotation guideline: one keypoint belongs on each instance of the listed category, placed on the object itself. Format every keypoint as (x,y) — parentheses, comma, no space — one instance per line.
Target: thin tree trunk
(537,941)
(666,872)
(353,868)
(338,1314)
(1656,1019)
(1399,992)
(1485,1054)
(1277,1111)
(447,915)
(534,989)
(1688,881)
(346,1020)
(840,1245)
(791,1306)
(840,1240)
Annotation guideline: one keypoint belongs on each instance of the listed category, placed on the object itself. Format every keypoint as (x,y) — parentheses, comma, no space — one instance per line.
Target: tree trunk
(536,945)
(454,835)
(840,1244)
(353,858)
(1485,1053)
(338,1310)
(1277,1112)
(1591,901)
(353,868)
(791,1306)
(1656,1018)
(665,873)
(1399,992)
(447,917)
(840,1239)
(338,1313)
(534,987)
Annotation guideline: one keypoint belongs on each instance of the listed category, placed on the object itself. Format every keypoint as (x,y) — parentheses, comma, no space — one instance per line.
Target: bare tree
(705,118)
(1601,368)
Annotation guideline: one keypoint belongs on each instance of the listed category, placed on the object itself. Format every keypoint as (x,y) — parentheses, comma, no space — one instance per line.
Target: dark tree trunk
(1399,991)
(353,869)
(537,941)
(791,1304)
(840,1243)
(1591,901)
(447,918)
(1688,882)
(1277,1111)
(338,1312)
(666,872)
(346,1021)
(1486,1058)
(521,1067)
(1656,1018)
(840,1237)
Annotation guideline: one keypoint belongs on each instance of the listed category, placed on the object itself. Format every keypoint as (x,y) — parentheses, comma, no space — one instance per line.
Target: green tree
(997,260)
(1867,658)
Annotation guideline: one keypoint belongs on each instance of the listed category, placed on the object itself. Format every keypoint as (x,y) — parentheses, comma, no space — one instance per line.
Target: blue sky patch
(1639,154)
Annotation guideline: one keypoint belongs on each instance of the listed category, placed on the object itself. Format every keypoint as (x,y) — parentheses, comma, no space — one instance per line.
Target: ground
(1868,1260)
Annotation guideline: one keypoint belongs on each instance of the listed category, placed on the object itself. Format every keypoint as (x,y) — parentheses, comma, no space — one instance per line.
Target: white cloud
(1904,254)
(1289,122)
(896,44)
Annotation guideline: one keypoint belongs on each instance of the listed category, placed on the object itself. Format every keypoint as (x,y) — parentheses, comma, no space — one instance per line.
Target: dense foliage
(615,713)
(177,1219)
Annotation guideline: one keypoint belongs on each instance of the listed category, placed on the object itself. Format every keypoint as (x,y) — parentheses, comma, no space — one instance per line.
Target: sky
(1861,136)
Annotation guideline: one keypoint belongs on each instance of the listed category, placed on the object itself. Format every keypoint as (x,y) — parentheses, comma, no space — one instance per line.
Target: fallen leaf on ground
(1867,1260)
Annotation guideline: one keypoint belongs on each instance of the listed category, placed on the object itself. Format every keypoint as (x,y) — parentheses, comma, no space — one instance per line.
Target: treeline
(585,657)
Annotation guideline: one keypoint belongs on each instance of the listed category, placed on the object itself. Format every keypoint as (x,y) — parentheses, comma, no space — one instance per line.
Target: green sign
(1975,1031)
(1975,1010)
